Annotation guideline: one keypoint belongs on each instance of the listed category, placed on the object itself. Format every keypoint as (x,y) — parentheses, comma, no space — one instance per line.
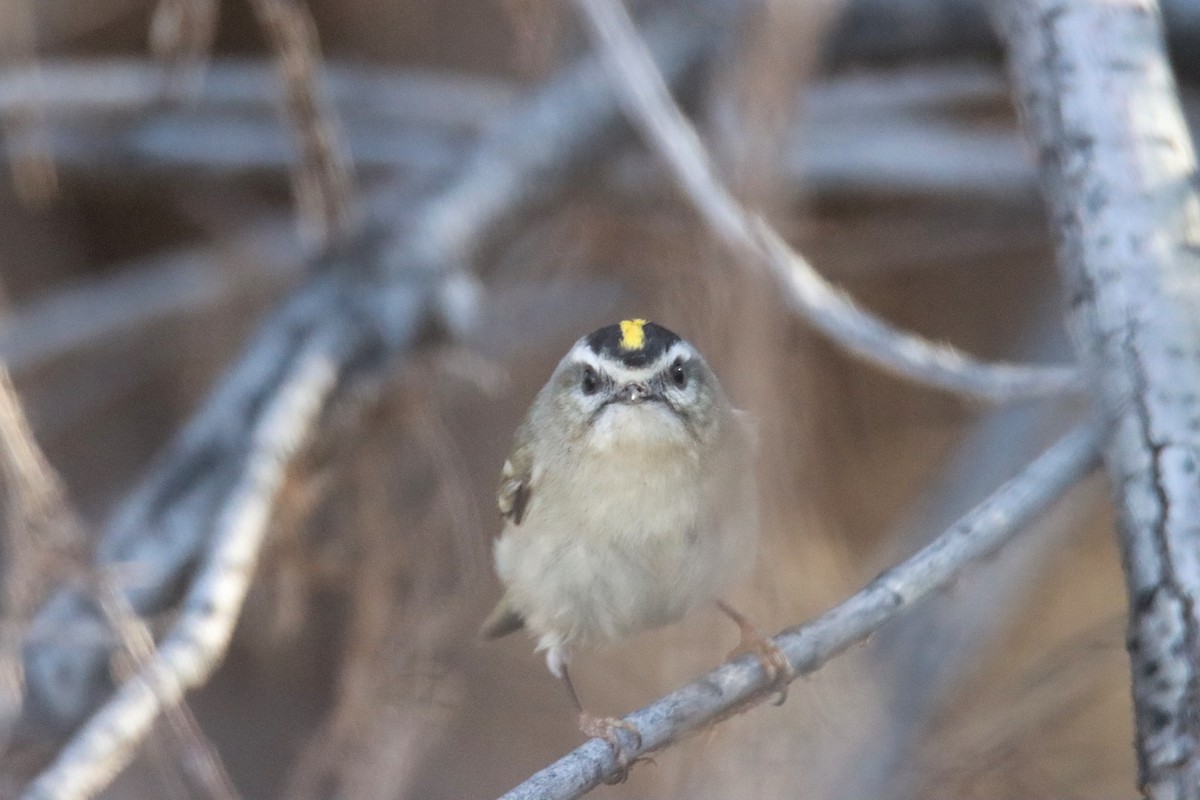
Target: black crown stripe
(607,342)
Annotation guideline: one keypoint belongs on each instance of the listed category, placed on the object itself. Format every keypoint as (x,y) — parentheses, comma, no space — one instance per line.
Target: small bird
(628,500)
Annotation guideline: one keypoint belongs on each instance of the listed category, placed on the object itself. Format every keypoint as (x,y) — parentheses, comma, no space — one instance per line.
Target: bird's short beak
(634,393)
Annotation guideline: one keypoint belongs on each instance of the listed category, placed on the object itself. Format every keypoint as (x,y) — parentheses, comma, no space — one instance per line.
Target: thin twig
(181,35)
(36,499)
(40,527)
(738,685)
(398,685)
(752,104)
(648,102)
(34,176)
(326,195)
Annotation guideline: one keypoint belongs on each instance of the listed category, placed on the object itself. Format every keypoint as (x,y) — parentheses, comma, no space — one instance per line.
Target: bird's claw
(773,660)
(608,728)
(779,670)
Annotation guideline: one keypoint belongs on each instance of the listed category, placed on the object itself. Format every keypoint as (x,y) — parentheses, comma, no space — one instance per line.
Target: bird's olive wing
(516,484)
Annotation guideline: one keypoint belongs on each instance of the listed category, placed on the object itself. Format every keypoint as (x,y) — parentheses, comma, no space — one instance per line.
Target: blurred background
(149,225)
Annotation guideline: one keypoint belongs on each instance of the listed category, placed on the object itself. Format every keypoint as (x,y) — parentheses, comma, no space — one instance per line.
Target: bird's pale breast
(623,540)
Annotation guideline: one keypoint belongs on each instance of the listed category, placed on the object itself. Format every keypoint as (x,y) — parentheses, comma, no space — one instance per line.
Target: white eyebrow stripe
(582,354)
(623,374)
(680,348)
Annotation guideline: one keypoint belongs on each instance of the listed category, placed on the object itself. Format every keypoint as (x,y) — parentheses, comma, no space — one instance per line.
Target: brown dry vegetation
(355,671)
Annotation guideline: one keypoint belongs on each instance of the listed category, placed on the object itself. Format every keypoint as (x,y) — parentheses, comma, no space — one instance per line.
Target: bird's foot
(773,660)
(609,729)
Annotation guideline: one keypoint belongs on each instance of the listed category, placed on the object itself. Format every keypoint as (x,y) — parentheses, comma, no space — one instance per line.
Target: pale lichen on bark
(1119,172)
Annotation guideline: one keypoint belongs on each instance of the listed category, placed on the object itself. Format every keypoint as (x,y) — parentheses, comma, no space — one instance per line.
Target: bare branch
(740,684)
(185,657)
(648,103)
(1119,171)
(46,545)
(888,31)
(913,689)
(400,683)
(40,526)
(883,132)
(196,755)
(324,184)
(751,105)
(124,303)
(113,86)
(107,118)
(32,167)
(36,500)
(181,35)
(211,496)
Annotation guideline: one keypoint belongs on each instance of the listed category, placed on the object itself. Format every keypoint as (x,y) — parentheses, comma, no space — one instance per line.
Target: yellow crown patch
(633,334)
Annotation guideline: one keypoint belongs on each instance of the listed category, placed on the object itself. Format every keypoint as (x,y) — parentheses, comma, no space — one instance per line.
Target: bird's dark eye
(678,375)
(591,381)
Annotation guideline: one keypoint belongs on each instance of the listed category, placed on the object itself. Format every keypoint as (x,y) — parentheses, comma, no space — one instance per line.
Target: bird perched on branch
(629,500)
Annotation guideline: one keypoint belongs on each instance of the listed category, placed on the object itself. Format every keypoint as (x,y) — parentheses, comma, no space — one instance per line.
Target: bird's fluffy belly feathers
(616,544)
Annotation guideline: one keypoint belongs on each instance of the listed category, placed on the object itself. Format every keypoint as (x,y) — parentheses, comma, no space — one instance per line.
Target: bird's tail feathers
(503,620)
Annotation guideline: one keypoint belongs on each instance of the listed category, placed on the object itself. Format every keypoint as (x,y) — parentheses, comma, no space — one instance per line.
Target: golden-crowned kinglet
(629,499)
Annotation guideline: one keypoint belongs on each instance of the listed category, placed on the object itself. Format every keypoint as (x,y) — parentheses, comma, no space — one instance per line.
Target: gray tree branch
(889,132)
(45,545)
(181,35)
(886,31)
(738,685)
(33,172)
(920,662)
(1118,169)
(97,312)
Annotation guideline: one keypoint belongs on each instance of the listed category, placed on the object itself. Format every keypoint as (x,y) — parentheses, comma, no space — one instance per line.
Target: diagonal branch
(1120,175)
(181,36)
(34,176)
(912,689)
(323,180)
(648,102)
(108,740)
(740,684)
(42,531)
(46,544)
